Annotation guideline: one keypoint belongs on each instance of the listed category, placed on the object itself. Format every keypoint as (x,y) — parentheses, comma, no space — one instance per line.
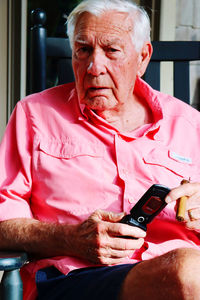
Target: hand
(98,238)
(192,191)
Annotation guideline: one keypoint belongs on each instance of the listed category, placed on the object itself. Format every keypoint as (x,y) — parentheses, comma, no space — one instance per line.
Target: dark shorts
(83,284)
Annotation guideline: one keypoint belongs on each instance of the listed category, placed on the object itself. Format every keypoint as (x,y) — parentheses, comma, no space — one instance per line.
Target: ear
(144,58)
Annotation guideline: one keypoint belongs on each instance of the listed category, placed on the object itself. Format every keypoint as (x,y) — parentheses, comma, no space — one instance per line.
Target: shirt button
(131,200)
(120,136)
(126,172)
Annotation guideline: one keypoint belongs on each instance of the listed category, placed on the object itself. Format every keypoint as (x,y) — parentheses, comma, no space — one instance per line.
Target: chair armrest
(12,260)
(11,287)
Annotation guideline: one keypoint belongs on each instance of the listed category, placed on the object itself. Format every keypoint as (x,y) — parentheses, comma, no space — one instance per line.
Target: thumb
(109,216)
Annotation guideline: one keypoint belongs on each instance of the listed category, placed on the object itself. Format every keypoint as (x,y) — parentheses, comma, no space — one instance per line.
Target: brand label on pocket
(178,157)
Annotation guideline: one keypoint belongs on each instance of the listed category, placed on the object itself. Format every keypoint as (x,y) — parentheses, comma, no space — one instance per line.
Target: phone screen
(152,205)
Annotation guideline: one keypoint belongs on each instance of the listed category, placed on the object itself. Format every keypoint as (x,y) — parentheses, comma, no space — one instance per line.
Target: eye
(113,51)
(83,49)
(83,52)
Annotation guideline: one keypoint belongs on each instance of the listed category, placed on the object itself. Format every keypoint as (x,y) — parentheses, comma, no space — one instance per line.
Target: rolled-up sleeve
(15,167)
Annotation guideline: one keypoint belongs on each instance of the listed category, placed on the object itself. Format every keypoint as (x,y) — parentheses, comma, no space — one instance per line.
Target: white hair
(140,19)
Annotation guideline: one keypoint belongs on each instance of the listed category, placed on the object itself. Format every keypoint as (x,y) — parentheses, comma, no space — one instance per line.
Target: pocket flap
(165,158)
(70,148)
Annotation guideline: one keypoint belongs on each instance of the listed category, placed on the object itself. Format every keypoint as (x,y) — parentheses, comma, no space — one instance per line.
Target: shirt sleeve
(15,170)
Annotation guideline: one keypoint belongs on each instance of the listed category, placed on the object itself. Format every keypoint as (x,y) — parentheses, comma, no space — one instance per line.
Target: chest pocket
(69,175)
(169,168)
(70,149)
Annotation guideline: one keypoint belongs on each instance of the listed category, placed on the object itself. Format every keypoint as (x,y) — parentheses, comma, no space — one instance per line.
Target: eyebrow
(107,42)
(80,41)
(113,41)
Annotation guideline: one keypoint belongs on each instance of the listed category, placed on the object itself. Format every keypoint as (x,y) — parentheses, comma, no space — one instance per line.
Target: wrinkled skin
(106,65)
(192,215)
(99,239)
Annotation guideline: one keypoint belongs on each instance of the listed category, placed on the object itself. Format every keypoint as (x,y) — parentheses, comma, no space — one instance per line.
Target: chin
(99,103)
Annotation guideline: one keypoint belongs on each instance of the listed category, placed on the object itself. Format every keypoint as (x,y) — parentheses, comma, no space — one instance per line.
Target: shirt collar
(143,90)
(151,96)
(74,96)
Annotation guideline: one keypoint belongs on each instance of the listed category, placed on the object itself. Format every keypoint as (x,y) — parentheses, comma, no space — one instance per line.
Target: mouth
(97,91)
(97,88)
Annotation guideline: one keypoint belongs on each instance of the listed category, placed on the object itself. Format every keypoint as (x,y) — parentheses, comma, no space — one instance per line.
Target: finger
(111,261)
(193,225)
(107,256)
(110,256)
(193,201)
(194,214)
(107,216)
(113,253)
(120,230)
(105,260)
(128,244)
(123,244)
(187,189)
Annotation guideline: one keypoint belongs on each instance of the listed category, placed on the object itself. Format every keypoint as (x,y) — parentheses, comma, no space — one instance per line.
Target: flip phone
(148,207)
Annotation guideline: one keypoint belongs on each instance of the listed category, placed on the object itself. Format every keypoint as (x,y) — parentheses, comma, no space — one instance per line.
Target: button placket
(122,149)
(131,200)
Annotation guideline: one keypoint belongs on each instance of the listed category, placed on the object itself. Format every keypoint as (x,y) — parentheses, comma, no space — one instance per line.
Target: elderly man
(75,157)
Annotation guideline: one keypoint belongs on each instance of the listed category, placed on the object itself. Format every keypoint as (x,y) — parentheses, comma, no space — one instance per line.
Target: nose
(97,64)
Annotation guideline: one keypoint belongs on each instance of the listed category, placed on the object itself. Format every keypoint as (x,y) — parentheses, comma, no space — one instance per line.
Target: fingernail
(120,214)
(168,199)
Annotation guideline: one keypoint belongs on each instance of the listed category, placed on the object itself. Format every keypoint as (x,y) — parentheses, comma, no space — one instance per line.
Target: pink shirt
(60,162)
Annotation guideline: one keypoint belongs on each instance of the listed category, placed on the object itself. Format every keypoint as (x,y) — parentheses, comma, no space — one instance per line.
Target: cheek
(123,74)
(124,78)
(130,72)
(79,70)
(117,72)
(79,73)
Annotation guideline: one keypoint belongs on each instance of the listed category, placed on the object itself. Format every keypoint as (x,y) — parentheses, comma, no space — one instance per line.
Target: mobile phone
(148,207)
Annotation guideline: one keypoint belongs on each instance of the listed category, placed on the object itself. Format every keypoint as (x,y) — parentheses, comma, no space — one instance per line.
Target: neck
(130,116)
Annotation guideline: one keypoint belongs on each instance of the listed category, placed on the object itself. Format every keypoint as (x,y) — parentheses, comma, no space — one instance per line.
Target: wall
(167,33)
(188,29)
(3,65)
(13,29)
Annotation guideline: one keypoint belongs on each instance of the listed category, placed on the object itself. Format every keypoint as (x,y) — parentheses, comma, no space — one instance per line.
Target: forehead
(109,24)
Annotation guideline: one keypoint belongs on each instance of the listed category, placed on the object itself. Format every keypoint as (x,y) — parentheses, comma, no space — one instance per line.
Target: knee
(174,275)
(185,270)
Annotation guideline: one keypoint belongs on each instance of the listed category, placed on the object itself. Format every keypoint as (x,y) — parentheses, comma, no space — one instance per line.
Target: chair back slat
(58,47)
(180,54)
(152,75)
(182,80)
(53,55)
(37,51)
(176,51)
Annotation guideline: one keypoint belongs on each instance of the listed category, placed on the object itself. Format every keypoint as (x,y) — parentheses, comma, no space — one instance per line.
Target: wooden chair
(11,287)
(52,54)
(58,50)
(181,54)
